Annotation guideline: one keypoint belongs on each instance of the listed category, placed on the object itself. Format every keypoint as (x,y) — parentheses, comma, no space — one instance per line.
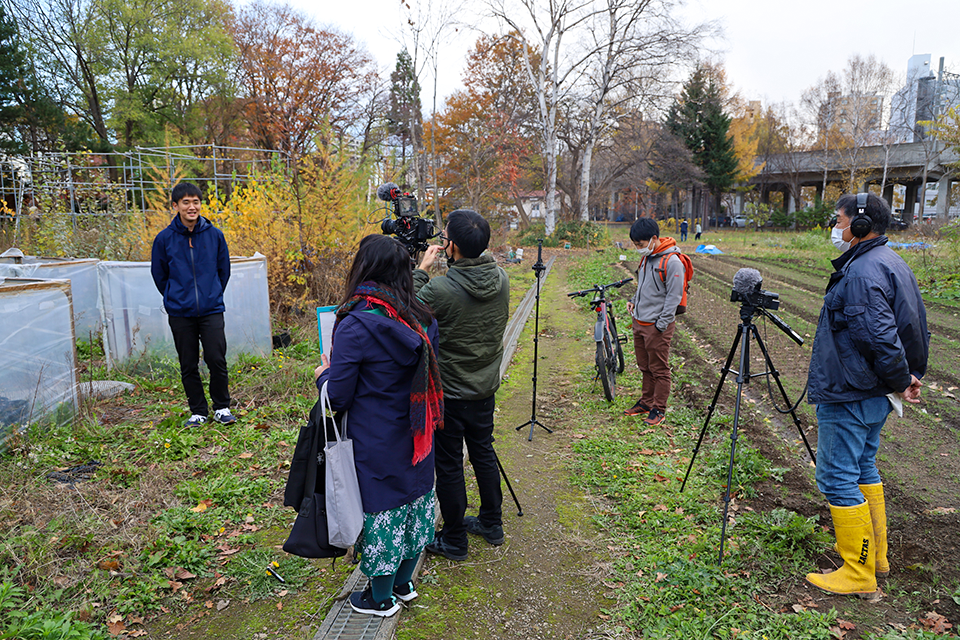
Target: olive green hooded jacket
(471,303)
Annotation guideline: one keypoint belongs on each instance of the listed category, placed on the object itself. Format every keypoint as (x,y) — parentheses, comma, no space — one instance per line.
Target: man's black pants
(188,335)
(469,421)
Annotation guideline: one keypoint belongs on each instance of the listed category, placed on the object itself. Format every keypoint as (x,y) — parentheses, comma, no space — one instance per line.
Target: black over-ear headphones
(861,224)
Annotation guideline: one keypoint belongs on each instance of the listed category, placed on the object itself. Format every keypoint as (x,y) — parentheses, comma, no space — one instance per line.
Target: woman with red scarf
(383,370)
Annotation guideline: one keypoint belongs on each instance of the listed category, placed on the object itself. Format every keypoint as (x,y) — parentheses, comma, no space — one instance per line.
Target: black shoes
(492,534)
(637,409)
(405,592)
(363,602)
(443,548)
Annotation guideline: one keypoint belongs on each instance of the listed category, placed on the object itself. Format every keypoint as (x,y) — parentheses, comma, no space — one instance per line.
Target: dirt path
(545,581)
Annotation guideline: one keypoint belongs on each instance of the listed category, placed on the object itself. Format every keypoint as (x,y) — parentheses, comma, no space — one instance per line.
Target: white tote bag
(342,490)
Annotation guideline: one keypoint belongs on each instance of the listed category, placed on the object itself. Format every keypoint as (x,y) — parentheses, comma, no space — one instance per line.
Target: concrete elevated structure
(904,163)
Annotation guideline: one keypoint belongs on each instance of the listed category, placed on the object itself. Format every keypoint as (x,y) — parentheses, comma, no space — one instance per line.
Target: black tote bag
(305,493)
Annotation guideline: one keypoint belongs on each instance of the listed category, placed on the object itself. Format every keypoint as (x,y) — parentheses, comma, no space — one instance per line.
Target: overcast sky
(772,50)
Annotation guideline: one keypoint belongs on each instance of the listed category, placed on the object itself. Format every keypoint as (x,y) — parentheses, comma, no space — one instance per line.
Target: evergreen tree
(11,63)
(405,119)
(698,119)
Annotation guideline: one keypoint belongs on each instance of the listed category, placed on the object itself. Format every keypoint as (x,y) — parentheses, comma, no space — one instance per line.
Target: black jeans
(469,421)
(188,335)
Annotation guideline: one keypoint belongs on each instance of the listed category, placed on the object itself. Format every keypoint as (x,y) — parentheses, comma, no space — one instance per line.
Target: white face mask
(836,237)
(646,250)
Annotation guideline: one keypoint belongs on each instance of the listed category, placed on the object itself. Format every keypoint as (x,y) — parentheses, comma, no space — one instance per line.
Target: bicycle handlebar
(600,288)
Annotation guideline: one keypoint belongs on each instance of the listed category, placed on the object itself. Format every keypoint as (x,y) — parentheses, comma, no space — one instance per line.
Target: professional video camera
(755,301)
(746,290)
(409,228)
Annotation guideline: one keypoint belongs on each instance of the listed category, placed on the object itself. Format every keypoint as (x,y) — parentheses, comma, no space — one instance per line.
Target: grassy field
(172,534)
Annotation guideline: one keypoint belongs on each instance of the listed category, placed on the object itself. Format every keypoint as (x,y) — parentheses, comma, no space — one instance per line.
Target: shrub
(578,234)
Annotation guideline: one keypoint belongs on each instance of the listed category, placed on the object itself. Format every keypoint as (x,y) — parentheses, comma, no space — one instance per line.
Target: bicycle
(609,344)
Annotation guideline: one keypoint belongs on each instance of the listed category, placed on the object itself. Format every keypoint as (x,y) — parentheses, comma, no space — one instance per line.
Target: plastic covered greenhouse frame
(38,360)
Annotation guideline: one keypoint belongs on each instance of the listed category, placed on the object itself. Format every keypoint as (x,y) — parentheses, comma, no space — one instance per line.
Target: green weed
(16,621)
(178,551)
(249,569)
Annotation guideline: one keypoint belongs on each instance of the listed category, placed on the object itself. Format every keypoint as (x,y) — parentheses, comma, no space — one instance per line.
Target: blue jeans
(848,435)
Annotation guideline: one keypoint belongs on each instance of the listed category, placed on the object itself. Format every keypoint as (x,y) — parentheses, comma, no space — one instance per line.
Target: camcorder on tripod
(754,302)
(408,227)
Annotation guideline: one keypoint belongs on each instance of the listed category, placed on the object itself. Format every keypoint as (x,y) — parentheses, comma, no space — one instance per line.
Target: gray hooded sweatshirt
(655,302)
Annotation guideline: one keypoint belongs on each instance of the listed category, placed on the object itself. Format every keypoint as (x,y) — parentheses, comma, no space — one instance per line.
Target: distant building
(925,96)
(853,115)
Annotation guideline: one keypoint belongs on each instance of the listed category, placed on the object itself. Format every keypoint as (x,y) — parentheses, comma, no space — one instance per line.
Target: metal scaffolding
(118,183)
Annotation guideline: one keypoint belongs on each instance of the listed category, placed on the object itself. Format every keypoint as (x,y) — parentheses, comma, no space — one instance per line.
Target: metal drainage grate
(343,623)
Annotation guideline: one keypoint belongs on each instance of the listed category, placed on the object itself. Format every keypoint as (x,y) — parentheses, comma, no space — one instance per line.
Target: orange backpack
(687,277)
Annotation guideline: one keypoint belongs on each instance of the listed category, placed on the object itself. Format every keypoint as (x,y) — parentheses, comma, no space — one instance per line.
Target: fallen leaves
(935,622)
(941,510)
(202,506)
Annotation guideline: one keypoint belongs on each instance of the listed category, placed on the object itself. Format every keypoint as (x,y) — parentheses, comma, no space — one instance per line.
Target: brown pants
(653,353)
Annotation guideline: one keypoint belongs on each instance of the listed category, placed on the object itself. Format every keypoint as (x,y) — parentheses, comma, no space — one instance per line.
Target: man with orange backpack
(662,278)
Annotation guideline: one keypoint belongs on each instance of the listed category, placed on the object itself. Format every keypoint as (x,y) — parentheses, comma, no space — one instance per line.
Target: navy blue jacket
(371,370)
(191,269)
(872,332)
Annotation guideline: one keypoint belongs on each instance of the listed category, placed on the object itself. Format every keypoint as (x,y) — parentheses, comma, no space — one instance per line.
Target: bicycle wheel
(617,345)
(607,366)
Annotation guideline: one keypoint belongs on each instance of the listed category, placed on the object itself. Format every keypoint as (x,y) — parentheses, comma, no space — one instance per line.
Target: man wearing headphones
(869,353)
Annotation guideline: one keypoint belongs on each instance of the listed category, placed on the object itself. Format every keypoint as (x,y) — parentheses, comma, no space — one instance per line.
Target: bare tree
(550,68)
(630,48)
(819,105)
(427,24)
(601,56)
(848,112)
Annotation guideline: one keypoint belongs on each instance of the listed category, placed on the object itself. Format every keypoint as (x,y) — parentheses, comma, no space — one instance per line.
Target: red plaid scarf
(426,394)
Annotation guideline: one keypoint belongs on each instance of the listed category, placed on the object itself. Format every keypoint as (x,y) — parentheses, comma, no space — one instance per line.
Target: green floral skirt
(392,536)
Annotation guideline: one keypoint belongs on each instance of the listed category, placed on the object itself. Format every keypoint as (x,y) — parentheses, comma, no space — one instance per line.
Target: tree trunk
(585,182)
(524,218)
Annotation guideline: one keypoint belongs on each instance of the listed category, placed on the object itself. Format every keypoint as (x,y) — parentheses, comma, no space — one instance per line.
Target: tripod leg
(507,480)
(743,375)
(713,405)
(783,392)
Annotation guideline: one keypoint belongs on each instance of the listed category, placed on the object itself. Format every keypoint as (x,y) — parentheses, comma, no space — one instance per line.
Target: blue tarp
(708,248)
(909,245)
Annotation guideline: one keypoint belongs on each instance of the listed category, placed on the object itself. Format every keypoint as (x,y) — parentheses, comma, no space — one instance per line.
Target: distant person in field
(699,231)
(869,353)
(190,265)
(684,227)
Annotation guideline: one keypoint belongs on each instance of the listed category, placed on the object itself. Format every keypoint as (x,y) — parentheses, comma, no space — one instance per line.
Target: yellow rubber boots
(854,529)
(878,514)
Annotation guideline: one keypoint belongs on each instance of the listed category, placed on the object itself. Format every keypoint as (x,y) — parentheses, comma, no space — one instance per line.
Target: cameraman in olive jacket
(471,304)
(869,353)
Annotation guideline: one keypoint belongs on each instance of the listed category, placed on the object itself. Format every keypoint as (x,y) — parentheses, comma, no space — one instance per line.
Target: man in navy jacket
(190,265)
(869,354)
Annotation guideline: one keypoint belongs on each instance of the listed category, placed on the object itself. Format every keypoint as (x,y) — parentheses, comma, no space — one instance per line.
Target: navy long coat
(371,371)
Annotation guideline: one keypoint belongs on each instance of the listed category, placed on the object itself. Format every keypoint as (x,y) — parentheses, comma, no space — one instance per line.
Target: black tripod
(744,330)
(538,268)
(507,480)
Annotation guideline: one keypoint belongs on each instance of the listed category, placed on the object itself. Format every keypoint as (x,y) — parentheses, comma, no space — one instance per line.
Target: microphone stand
(744,331)
(538,268)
